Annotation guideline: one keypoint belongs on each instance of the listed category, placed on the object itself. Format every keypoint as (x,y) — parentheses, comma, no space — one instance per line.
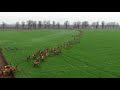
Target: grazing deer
(59,49)
(36,62)
(34,56)
(50,52)
(7,70)
(14,68)
(46,52)
(55,51)
(38,52)
(43,55)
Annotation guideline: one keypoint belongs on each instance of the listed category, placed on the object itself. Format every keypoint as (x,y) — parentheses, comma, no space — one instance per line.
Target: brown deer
(36,62)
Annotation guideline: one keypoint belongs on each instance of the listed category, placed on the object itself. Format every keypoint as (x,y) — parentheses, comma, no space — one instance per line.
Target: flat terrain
(18,45)
(97,55)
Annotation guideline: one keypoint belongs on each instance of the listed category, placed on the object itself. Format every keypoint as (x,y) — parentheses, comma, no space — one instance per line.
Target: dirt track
(2,63)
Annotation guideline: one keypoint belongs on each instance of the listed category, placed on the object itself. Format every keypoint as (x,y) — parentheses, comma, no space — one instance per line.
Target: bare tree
(110,25)
(58,25)
(34,24)
(113,24)
(48,24)
(93,25)
(66,23)
(45,24)
(97,24)
(78,24)
(74,25)
(23,24)
(39,24)
(117,25)
(103,24)
(53,24)
(17,25)
(85,24)
(3,25)
(30,24)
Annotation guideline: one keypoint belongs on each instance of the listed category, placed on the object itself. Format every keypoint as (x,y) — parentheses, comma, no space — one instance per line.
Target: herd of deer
(41,55)
(7,70)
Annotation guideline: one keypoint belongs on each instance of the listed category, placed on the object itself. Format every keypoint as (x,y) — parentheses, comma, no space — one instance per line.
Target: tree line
(30,24)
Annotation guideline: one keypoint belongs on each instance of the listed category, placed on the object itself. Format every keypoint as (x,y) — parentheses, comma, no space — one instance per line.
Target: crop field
(96,56)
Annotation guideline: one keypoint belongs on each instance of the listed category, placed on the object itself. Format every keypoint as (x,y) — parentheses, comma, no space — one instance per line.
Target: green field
(96,56)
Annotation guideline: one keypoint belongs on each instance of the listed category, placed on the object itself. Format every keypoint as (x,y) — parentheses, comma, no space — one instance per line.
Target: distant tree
(78,24)
(93,25)
(3,25)
(17,25)
(66,23)
(117,25)
(23,24)
(45,24)
(30,24)
(74,25)
(109,25)
(58,25)
(34,24)
(53,24)
(39,24)
(85,24)
(48,24)
(97,24)
(113,24)
(103,24)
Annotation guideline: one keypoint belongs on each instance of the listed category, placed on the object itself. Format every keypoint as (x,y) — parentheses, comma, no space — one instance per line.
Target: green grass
(96,56)
(28,42)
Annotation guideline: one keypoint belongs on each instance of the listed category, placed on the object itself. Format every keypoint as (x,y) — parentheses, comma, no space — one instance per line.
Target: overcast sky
(12,17)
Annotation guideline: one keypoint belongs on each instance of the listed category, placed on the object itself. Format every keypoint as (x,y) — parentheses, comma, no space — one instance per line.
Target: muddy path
(3,63)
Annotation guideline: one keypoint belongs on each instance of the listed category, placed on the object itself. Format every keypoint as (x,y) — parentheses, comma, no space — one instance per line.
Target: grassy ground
(28,42)
(97,55)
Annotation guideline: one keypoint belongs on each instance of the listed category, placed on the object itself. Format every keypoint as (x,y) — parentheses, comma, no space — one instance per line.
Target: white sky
(12,17)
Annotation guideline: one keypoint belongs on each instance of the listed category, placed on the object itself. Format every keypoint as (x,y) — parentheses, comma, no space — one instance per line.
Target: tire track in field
(23,72)
(74,66)
(91,65)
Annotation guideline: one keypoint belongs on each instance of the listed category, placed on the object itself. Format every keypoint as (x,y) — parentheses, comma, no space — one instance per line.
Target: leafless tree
(45,24)
(3,25)
(58,25)
(17,25)
(66,23)
(103,24)
(117,25)
(30,24)
(97,24)
(48,24)
(39,24)
(53,24)
(74,25)
(78,24)
(93,25)
(34,24)
(113,24)
(85,24)
(23,24)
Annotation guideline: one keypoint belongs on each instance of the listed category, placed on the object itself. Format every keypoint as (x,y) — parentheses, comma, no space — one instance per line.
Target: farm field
(96,56)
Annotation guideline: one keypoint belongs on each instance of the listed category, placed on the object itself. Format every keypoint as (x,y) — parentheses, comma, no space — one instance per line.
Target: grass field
(96,56)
